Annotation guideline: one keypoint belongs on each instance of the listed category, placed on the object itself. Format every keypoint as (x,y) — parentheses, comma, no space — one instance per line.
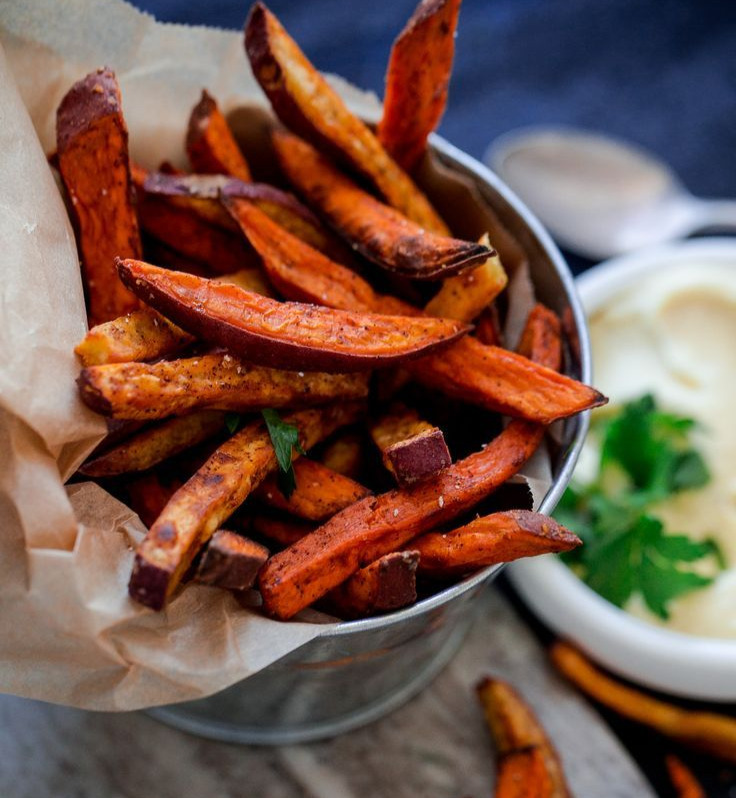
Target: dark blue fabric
(662,74)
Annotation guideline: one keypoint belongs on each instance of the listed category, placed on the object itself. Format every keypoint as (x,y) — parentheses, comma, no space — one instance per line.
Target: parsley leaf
(284,438)
(646,456)
(232,422)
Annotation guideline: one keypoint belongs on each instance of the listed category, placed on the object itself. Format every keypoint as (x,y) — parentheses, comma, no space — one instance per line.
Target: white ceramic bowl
(684,665)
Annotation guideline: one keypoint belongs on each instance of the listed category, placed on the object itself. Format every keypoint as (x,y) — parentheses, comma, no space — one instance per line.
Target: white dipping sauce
(673,334)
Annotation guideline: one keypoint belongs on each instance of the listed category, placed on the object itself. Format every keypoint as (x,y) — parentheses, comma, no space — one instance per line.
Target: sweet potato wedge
(704,731)
(155,444)
(683,779)
(303,274)
(304,102)
(465,296)
(417,79)
(147,335)
(141,335)
(376,231)
(541,339)
(344,454)
(218,381)
(496,538)
(210,144)
(489,376)
(319,492)
(389,583)
(504,382)
(411,449)
(205,501)
(527,764)
(231,561)
(488,327)
(148,495)
(295,578)
(92,148)
(220,251)
(281,530)
(200,195)
(284,334)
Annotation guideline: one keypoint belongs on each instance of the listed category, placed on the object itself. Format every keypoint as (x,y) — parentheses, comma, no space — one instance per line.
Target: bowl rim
(471,167)
(686,665)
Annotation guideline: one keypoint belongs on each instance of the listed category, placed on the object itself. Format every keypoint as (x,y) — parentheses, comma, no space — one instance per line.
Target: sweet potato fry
(527,764)
(156,444)
(389,583)
(541,339)
(683,780)
(304,102)
(417,79)
(141,335)
(210,144)
(199,194)
(376,231)
(489,376)
(301,273)
(205,501)
(496,538)
(505,382)
(148,495)
(412,449)
(464,296)
(145,334)
(344,455)
(281,530)
(217,381)
(319,492)
(92,146)
(372,527)
(231,561)
(488,327)
(705,731)
(284,334)
(186,232)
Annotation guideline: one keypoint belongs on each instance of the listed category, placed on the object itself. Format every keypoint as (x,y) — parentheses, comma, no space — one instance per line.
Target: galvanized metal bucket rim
(483,174)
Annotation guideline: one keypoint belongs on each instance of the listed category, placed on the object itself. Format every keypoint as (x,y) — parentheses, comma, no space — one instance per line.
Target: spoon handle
(717,213)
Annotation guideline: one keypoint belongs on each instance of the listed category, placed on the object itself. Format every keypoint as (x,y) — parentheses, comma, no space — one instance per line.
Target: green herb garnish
(232,422)
(284,438)
(646,457)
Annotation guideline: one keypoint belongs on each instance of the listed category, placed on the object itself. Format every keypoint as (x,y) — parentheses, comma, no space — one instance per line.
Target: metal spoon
(600,196)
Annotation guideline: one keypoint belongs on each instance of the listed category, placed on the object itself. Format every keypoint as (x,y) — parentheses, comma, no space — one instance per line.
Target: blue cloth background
(662,74)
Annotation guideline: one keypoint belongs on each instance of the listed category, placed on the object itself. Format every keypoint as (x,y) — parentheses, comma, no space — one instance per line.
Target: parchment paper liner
(68,632)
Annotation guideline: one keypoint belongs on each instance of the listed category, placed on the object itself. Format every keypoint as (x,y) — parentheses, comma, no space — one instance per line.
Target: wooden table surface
(436,746)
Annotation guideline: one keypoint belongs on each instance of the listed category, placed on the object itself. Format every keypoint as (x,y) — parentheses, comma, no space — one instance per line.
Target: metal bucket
(358,671)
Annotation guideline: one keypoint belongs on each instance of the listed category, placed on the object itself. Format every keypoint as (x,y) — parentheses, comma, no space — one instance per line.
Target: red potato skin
(231,561)
(305,103)
(92,154)
(378,232)
(282,334)
(417,80)
(496,538)
(295,578)
(210,144)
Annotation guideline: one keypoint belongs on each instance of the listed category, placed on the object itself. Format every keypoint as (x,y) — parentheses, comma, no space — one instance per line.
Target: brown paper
(68,632)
